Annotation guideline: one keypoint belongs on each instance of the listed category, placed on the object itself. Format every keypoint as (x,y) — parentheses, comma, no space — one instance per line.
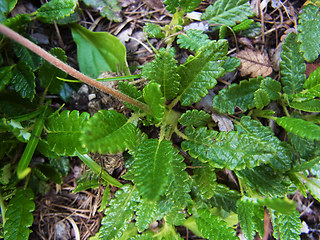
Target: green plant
(158,185)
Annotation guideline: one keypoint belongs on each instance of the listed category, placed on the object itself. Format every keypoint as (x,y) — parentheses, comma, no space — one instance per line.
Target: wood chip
(254,63)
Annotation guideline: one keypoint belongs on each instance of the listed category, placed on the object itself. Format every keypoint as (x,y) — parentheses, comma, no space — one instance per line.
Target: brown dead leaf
(254,63)
(224,122)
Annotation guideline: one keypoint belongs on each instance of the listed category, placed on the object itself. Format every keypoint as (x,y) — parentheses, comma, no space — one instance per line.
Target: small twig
(66,68)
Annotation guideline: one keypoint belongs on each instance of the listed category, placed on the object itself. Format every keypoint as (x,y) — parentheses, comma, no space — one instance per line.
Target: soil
(61,214)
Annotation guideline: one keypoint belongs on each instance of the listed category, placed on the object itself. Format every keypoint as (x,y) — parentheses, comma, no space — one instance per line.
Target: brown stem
(71,71)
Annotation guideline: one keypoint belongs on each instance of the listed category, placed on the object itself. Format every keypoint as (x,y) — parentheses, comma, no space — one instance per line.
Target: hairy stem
(71,71)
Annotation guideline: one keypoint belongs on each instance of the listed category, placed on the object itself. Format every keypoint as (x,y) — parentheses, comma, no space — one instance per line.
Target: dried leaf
(254,63)
(224,122)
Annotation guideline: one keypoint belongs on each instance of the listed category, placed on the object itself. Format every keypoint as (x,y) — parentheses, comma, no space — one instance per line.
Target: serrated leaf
(152,160)
(15,128)
(307,149)
(235,95)
(193,40)
(5,76)
(18,215)
(86,183)
(313,79)
(109,9)
(272,87)
(119,212)
(292,66)
(300,127)
(212,227)
(50,172)
(26,55)
(152,96)
(308,27)
(48,73)
(205,179)
(163,70)
(310,105)
(287,226)
(261,98)
(99,52)
(131,91)
(227,12)
(231,64)
(65,131)
(153,30)
(282,205)
(108,132)
(245,211)
(264,180)
(186,5)
(199,72)
(195,118)
(55,9)
(145,214)
(144,236)
(23,80)
(225,197)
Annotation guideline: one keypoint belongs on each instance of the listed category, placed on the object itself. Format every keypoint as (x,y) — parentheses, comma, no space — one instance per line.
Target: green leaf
(5,174)
(225,198)
(65,131)
(195,118)
(99,52)
(205,179)
(18,215)
(7,6)
(287,226)
(153,30)
(212,227)
(163,70)
(235,95)
(186,5)
(119,212)
(313,186)
(309,105)
(105,199)
(309,32)
(50,172)
(86,182)
(199,72)
(62,164)
(313,79)
(272,87)
(282,205)
(193,40)
(152,161)
(23,80)
(307,149)
(261,98)
(26,55)
(300,127)
(292,66)
(246,24)
(146,214)
(16,128)
(5,76)
(132,91)
(55,10)
(109,9)
(108,132)
(227,12)
(231,64)
(48,73)
(245,210)
(153,97)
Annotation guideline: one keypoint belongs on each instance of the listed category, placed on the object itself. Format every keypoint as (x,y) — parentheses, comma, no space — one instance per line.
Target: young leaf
(23,80)
(287,226)
(245,210)
(231,64)
(18,215)
(153,97)
(163,70)
(195,118)
(186,5)
(227,12)
(153,31)
(212,227)
(292,66)
(108,132)
(99,52)
(152,161)
(119,213)
(48,73)
(193,40)
(261,98)
(309,32)
(55,9)
(272,87)
(235,95)
(109,9)
(65,131)
(199,72)
(300,127)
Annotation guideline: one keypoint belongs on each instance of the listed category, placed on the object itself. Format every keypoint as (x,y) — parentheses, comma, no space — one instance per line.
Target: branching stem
(71,71)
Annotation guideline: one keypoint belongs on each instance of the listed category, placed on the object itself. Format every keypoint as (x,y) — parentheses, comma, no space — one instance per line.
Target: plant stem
(3,210)
(71,71)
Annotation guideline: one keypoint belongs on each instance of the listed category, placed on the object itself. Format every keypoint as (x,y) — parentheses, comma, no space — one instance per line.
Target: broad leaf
(153,97)
(99,52)
(152,161)
(56,9)
(119,212)
(7,6)
(309,32)
(212,227)
(65,131)
(287,226)
(18,215)
(199,72)
(109,9)
(193,40)
(108,132)
(227,12)
(292,66)
(48,73)
(300,127)
(245,211)
(163,70)
(195,118)
(23,80)
(235,95)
